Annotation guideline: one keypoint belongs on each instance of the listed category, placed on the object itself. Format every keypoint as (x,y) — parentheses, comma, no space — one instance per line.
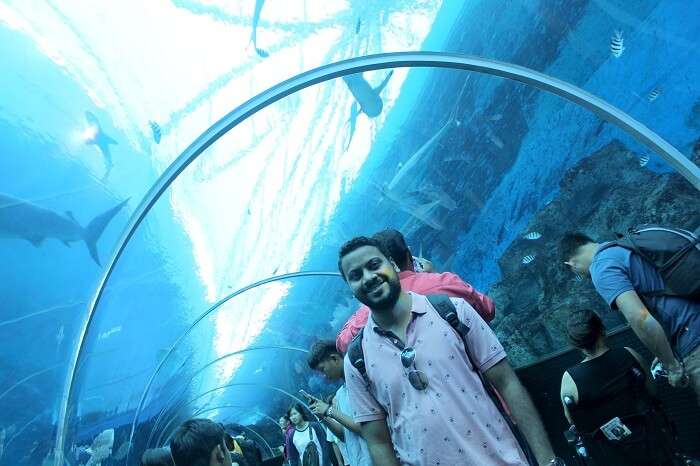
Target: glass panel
(482,176)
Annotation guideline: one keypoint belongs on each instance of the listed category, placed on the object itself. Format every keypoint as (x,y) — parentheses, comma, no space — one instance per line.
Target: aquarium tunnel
(177,178)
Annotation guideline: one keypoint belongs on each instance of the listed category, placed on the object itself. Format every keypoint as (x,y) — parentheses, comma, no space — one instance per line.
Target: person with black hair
(325,358)
(609,393)
(308,446)
(423,397)
(426,282)
(669,326)
(200,442)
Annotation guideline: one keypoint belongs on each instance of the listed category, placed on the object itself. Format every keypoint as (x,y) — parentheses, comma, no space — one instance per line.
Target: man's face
(580,262)
(372,278)
(331,367)
(283,423)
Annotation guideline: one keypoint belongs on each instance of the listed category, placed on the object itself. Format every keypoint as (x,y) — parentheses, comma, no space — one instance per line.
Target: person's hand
(319,407)
(676,375)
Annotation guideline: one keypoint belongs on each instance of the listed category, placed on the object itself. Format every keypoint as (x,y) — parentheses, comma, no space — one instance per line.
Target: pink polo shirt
(423,283)
(452,422)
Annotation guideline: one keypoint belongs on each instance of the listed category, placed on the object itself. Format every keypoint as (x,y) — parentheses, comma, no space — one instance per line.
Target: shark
(101,140)
(420,212)
(25,220)
(435,193)
(367,99)
(254,33)
(420,156)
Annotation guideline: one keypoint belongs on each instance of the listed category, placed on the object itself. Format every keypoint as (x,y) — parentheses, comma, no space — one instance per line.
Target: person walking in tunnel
(669,326)
(200,442)
(610,399)
(287,430)
(419,377)
(325,358)
(308,446)
(425,282)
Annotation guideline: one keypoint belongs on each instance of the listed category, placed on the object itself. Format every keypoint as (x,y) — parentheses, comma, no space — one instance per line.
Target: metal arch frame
(202,369)
(221,387)
(324,73)
(249,429)
(245,410)
(218,304)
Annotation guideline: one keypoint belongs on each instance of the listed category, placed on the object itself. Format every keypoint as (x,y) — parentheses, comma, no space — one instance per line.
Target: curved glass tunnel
(231,275)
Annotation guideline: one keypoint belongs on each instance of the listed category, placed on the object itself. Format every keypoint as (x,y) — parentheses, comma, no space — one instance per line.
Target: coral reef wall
(605,193)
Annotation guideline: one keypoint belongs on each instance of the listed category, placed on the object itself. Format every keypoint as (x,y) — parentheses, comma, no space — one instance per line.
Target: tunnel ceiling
(481,174)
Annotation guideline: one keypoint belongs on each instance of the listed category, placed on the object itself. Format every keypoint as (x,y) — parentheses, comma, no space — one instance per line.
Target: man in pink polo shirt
(420,401)
(419,282)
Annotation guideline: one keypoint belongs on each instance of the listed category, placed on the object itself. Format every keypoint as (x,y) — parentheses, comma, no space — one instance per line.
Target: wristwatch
(329,412)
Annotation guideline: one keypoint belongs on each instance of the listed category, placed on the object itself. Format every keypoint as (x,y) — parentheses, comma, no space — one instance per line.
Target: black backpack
(674,252)
(446,308)
(311,456)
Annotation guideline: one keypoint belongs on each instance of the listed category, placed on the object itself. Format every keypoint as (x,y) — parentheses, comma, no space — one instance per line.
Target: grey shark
(101,141)
(424,213)
(24,220)
(367,99)
(419,159)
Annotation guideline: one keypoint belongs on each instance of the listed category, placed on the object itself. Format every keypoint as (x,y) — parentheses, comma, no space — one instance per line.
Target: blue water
(276,208)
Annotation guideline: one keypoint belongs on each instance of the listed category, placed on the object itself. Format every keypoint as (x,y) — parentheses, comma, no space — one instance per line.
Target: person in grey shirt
(325,358)
(668,325)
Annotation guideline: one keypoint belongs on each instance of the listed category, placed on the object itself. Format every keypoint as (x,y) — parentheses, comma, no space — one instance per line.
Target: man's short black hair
(194,441)
(396,245)
(570,244)
(320,351)
(357,243)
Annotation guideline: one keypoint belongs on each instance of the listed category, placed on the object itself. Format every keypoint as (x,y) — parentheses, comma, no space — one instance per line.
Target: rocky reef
(605,193)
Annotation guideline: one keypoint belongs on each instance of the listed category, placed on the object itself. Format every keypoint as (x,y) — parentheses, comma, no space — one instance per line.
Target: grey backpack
(674,252)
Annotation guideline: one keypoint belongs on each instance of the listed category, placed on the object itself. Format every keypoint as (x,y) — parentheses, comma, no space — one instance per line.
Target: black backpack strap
(356,355)
(446,308)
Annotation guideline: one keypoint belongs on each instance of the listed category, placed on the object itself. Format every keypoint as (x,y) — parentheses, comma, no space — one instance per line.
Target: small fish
(617,44)
(358,25)
(527,259)
(643,160)
(101,447)
(496,141)
(578,277)
(654,94)
(496,117)
(109,332)
(533,235)
(155,129)
(60,335)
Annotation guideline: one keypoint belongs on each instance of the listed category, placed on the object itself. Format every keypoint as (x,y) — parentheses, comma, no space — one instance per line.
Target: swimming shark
(254,33)
(24,220)
(420,156)
(100,139)
(435,193)
(367,99)
(420,212)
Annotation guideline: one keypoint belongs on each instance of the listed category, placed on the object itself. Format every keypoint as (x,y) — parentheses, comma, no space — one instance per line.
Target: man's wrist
(329,412)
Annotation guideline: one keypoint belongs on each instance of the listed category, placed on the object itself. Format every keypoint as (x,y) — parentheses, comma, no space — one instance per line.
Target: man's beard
(385,302)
